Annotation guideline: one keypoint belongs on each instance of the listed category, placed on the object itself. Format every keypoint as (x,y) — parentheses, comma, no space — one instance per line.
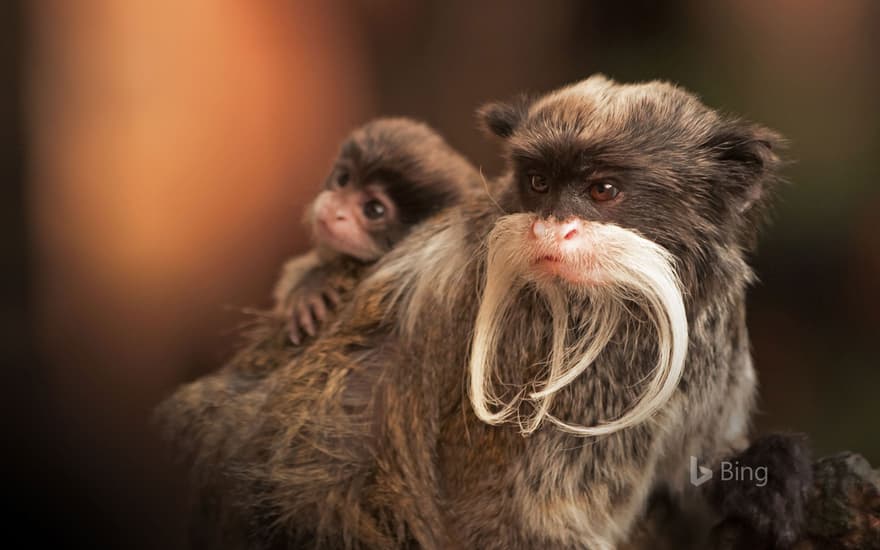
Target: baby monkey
(390,174)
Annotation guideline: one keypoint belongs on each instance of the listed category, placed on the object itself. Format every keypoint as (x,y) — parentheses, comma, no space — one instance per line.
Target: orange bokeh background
(173,146)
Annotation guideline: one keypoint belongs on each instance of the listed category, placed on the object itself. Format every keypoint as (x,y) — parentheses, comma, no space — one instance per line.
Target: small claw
(319,308)
(306,322)
(292,329)
(293,332)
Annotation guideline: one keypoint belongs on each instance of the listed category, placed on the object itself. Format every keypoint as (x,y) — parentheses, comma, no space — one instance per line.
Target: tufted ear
(749,155)
(503,118)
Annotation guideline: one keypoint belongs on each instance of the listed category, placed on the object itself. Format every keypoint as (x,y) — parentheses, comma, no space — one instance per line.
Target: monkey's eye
(342,178)
(538,183)
(602,192)
(374,209)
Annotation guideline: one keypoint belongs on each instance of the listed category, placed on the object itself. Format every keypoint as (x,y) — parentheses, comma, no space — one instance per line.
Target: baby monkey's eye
(374,209)
(601,192)
(342,178)
(538,183)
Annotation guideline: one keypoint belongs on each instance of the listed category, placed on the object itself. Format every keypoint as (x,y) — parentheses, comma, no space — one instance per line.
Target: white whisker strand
(489,193)
(558,356)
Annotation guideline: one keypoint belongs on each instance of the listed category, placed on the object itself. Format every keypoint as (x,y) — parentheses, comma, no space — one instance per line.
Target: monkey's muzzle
(567,249)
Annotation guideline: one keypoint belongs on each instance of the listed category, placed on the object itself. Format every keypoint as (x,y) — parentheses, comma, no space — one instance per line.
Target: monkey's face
(353,218)
(628,196)
(390,175)
(646,157)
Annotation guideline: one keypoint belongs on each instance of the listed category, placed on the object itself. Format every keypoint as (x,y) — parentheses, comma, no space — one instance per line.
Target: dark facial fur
(367,439)
(411,165)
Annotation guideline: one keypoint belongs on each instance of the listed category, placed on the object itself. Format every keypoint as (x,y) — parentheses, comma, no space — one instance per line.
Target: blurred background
(160,155)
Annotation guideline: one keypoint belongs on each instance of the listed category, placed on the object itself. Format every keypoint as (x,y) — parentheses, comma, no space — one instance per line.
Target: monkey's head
(625,197)
(645,157)
(390,174)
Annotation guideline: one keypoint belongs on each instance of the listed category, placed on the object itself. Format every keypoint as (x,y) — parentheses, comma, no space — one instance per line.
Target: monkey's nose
(340,215)
(539,228)
(559,231)
(569,230)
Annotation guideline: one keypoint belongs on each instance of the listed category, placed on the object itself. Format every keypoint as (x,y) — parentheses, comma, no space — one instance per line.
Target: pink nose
(557,231)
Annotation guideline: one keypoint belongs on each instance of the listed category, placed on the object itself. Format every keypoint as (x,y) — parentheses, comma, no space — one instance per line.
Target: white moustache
(619,269)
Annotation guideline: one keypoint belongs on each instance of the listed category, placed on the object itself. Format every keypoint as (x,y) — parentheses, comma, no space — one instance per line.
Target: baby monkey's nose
(565,231)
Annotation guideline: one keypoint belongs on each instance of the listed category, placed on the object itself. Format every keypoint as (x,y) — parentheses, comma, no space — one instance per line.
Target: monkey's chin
(325,236)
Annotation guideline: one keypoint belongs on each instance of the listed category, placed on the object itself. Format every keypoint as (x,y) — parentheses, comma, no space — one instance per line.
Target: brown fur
(367,438)
(424,175)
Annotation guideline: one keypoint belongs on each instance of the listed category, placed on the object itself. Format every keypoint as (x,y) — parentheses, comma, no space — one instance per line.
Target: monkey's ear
(503,118)
(749,155)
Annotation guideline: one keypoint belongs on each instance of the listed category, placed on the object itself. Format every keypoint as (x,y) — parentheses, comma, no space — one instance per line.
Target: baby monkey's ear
(503,117)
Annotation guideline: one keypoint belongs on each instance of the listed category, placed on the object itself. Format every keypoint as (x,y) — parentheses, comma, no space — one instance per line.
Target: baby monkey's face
(390,175)
(353,217)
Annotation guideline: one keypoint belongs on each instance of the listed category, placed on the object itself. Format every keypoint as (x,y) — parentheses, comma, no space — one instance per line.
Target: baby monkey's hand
(311,303)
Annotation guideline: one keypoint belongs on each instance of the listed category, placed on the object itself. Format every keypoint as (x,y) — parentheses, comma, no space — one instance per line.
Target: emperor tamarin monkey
(390,174)
(524,371)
